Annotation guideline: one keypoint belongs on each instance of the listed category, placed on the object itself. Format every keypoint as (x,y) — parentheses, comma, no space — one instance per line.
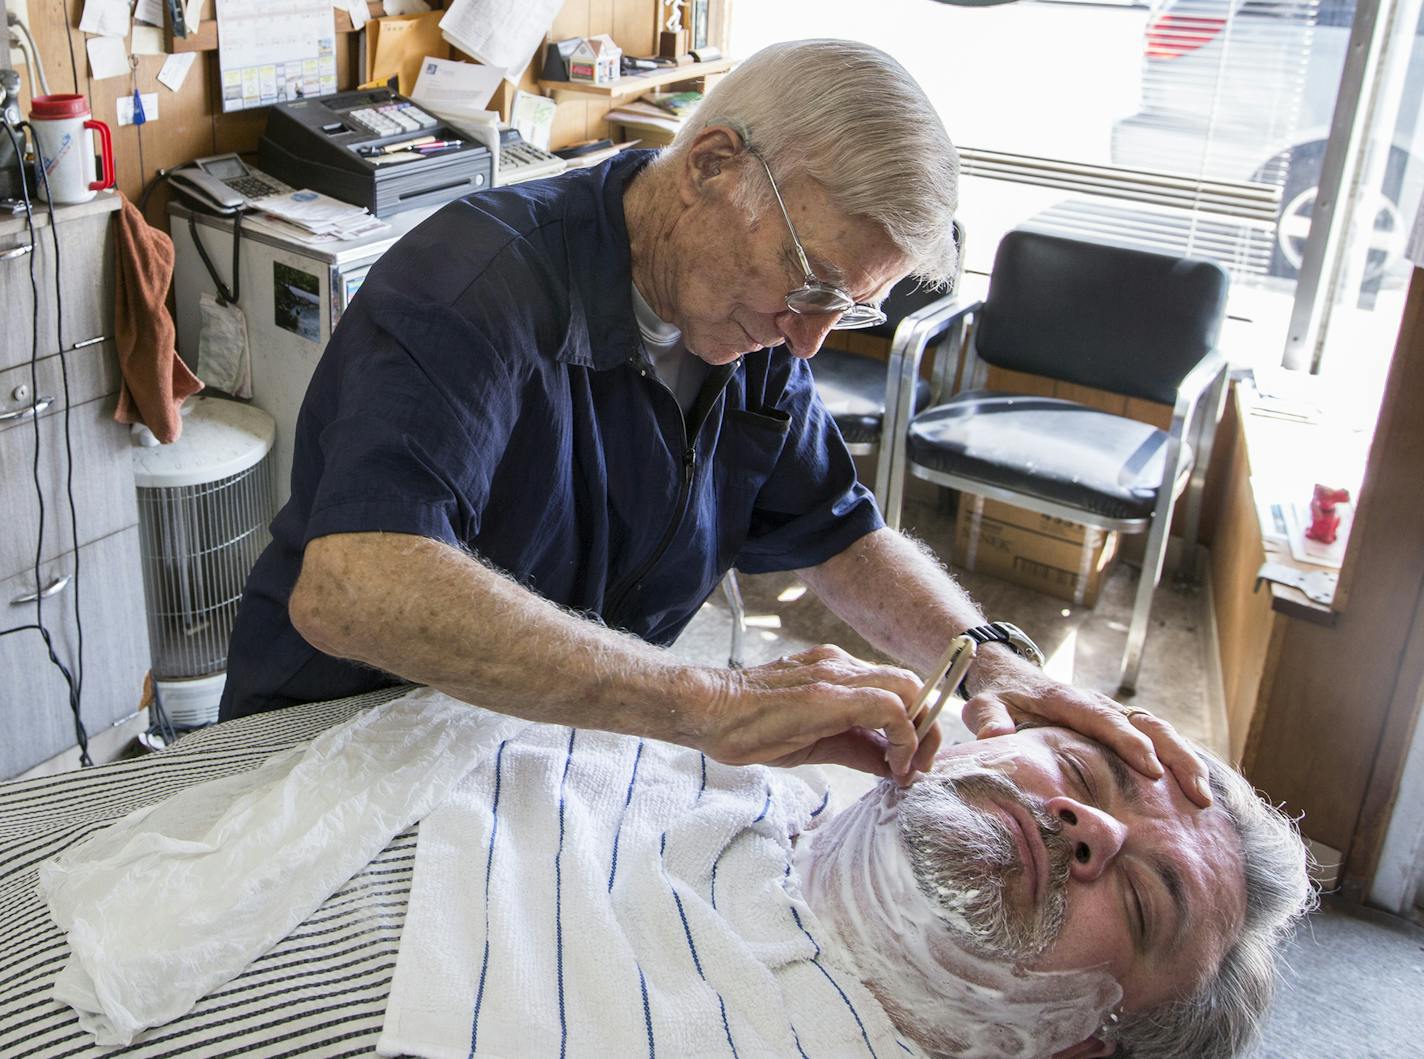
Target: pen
(439,145)
(404,145)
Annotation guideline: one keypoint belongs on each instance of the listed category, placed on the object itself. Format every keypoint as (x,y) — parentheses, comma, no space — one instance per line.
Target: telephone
(223,183)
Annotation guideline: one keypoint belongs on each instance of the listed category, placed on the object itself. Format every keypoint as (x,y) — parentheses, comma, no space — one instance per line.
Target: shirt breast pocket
(748,451)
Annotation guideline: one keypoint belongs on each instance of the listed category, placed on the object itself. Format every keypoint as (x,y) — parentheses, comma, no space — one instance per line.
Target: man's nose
(1095,837)
(804,333)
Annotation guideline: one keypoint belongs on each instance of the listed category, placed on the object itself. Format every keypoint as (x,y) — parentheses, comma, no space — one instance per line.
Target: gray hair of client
(853,119)
(1222,1018)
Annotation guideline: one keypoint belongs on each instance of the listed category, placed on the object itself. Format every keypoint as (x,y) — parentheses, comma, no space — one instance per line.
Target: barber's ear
(709,161)
(1088,1049)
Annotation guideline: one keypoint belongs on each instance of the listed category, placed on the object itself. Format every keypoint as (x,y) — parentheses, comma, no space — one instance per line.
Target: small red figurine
(1324,521)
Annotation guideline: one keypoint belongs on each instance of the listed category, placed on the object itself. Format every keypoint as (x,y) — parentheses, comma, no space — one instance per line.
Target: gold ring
(1132,711)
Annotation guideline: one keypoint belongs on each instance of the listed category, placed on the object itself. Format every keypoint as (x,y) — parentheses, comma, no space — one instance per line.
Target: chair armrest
(1195,383)
(907,349)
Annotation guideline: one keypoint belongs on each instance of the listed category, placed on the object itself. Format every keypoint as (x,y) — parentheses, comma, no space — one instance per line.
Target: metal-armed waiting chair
(1136,324)
(852,387)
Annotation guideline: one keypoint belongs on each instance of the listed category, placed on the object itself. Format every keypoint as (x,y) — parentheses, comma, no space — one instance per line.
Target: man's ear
(1088,1049)
(709,160)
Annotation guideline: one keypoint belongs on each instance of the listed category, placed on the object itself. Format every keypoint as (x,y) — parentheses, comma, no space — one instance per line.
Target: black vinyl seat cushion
(852,387)
(1046,447)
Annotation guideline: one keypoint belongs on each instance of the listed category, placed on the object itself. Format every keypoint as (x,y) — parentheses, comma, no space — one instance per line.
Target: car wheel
(1389,230)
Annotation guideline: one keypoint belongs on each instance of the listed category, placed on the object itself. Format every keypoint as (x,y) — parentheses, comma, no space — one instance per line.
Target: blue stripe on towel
(703,760)
(489,868)
(558,901)
(816,960)
(766,805)
(627,800)
(647,1013)
(825,800)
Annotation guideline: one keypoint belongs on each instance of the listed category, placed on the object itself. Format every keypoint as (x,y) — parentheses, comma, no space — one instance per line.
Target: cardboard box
(1060,558)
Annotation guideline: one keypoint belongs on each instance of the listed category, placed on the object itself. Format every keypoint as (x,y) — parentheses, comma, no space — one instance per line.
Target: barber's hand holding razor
(1007,689)
(820,706)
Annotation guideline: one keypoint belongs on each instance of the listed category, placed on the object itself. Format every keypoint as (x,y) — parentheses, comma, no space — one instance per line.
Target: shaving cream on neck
(857,876)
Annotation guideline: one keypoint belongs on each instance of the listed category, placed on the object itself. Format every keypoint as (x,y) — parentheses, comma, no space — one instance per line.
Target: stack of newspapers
(313,218)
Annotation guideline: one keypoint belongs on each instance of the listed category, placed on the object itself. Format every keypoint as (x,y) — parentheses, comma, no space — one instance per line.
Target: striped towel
(590,894)
(179,897)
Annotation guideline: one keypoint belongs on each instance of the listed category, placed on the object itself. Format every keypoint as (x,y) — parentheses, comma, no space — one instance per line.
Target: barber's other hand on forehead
(819,706)
(1008,690)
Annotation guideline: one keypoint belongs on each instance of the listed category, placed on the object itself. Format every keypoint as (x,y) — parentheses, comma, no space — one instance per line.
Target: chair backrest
(1128,321)
(907,295)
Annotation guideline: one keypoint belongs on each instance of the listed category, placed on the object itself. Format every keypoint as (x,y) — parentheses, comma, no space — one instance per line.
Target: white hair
(1223,1017)
(853,119)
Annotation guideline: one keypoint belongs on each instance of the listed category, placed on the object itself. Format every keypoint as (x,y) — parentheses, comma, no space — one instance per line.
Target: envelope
(397,46)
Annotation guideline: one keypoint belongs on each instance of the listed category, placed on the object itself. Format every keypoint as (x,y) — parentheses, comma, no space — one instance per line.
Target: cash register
(372,148)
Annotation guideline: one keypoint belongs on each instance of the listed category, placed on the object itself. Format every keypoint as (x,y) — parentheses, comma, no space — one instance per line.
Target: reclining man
(1032,896)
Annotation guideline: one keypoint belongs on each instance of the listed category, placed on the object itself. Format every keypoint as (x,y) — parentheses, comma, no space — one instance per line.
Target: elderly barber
(557,413)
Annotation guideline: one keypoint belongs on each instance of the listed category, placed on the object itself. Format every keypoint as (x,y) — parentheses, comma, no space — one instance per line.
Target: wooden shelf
(636,84)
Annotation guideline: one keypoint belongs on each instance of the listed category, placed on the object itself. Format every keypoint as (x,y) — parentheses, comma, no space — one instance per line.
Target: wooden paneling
(190,121)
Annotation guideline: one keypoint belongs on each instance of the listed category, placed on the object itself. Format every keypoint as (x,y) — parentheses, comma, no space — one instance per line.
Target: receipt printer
(374,149)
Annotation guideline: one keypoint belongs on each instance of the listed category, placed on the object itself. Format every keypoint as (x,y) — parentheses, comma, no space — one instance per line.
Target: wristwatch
(1011,636)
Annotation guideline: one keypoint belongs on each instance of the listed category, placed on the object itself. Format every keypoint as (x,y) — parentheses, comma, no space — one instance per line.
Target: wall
(191,123)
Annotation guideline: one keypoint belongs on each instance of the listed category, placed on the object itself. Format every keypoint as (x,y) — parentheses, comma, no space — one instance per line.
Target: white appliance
(204,505)
(292,295)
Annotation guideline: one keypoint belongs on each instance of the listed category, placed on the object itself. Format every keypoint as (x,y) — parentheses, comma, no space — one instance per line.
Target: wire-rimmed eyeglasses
(815,297)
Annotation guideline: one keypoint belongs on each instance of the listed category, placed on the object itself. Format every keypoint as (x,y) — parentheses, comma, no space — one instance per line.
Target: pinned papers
(146,40)
(272,50)
(125,106)
(175,69)
(108,18)
(107,56)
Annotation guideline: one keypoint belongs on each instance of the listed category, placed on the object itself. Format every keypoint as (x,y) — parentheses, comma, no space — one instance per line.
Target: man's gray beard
(963,855)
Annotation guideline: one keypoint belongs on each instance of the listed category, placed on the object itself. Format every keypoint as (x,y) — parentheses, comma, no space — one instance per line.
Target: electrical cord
(16,42)
(73,684)
(16,20)
(68,404)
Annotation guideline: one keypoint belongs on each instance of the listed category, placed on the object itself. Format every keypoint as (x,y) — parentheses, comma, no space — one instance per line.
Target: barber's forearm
(431,614)
(893,592)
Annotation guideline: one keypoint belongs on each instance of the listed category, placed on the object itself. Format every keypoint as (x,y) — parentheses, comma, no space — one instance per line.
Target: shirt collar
(601,265)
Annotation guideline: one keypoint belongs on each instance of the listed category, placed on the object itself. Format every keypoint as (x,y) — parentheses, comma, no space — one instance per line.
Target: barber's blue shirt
(488,388)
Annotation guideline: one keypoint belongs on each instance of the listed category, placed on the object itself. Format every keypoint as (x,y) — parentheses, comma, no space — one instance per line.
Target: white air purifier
(205,503)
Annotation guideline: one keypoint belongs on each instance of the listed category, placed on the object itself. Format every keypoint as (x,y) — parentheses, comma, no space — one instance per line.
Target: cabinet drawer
(86,253)
(34,699)
(103,483)
(93,373)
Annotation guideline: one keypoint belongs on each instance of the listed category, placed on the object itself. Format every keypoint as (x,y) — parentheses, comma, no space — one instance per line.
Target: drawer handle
(29,410)
(18,251)
(54,588)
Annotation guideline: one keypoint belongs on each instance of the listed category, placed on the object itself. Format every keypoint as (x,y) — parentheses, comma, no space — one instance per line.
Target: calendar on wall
(275,50)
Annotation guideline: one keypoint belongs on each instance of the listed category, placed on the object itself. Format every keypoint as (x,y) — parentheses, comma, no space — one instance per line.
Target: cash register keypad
(392,118)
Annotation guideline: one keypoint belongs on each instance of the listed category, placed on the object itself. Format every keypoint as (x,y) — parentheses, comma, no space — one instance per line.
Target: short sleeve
(415,417)
(812,506)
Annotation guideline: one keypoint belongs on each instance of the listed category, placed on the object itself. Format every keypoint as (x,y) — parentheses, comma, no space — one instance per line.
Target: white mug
(65,145)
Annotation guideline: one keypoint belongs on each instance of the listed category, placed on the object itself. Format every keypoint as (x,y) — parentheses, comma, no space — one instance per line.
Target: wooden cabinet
(102,565)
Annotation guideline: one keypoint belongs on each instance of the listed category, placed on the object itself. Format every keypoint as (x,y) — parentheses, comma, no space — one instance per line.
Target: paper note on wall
(275,50)
(149,11)
(175,69)
(146,40)
(108,18)
(107,57)
(125,108)
(399,45)
(502,33)
(534,118)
